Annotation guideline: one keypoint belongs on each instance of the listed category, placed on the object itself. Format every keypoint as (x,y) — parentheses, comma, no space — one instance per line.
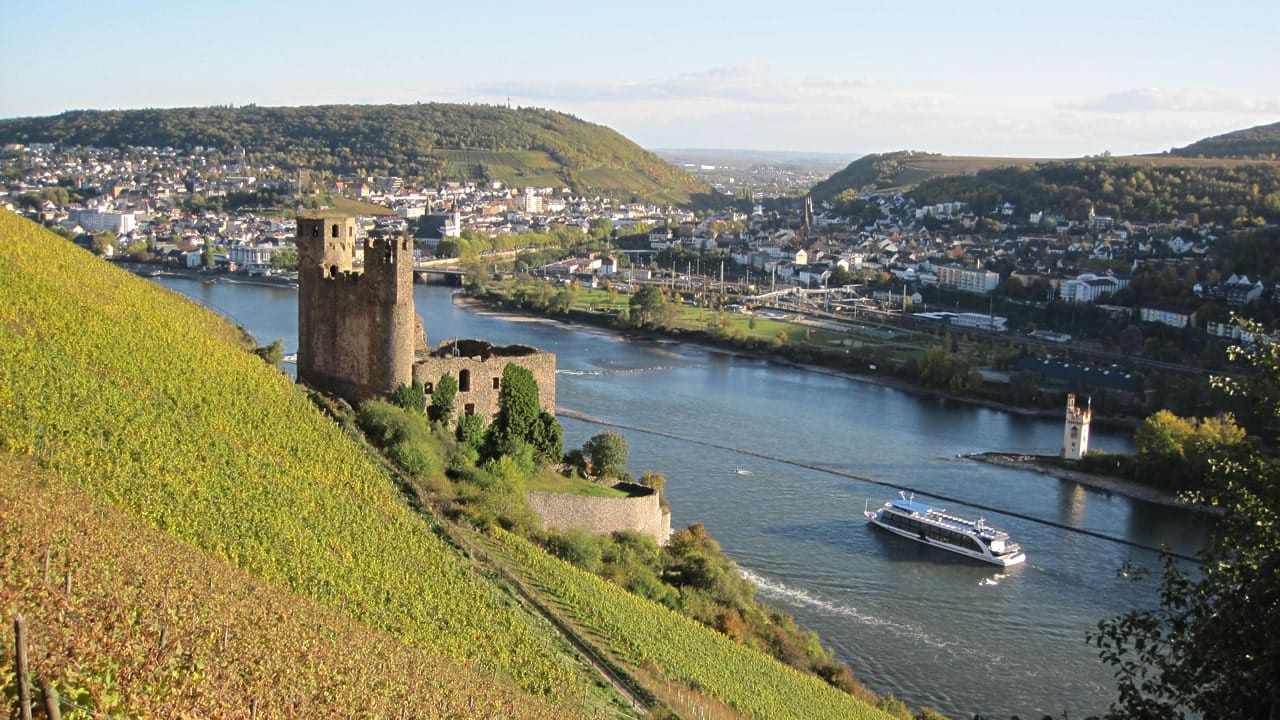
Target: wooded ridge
(423,143)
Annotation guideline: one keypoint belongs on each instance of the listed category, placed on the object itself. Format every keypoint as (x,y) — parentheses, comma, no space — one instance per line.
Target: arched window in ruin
(464,381)
(334,231)
(497,383)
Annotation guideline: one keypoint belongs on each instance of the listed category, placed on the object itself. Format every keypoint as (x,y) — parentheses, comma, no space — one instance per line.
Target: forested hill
(1261,142)
(426,142)
(1140,188)
(902,170)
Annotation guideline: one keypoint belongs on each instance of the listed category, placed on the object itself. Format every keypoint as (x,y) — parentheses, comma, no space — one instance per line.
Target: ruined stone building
(477,366)
(357,331)
(360,337)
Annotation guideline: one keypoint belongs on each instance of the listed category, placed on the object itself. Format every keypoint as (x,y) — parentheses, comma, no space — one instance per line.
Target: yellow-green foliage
(121,387)
(155,628)
(643,632)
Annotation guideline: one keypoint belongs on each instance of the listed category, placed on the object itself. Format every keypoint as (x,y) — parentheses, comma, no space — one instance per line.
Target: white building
(1087,288)
(980,321)
(253,259)
(532,202)
(120,223)
(966,279)
(1166,316)
(1228,330)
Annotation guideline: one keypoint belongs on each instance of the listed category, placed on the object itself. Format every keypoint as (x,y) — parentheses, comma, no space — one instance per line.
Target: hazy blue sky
(988,78)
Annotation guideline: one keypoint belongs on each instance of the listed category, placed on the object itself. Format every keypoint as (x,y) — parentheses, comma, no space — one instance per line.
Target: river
(778,464)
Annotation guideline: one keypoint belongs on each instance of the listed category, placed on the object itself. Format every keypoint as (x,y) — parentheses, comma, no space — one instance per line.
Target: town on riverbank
(815,286)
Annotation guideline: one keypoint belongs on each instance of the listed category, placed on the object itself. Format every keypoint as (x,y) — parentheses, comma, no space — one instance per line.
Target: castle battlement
(357,328)
(359,336)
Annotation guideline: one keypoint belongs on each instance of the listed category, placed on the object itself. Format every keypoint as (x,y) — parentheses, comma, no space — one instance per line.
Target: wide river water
(778,464)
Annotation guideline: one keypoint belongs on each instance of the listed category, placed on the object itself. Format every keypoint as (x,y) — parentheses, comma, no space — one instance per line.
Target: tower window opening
(464,381)
(497,383)
(315,231)
(470,409)
(334,230)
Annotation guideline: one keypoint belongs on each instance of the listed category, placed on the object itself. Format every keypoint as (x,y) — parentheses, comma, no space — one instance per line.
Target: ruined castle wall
(356,331)
(393,335)
(484,375)
(600,515)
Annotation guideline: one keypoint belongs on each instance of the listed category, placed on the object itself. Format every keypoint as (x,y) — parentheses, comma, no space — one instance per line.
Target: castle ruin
(477,366)
(357,331)
(359,336)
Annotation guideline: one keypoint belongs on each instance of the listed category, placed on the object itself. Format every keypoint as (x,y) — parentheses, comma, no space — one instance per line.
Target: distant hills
(1261,142)
(797,159)
(425,142)
(1231,179)
(903,170)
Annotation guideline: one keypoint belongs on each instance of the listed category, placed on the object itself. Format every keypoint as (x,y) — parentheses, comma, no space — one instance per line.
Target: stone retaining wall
(641,512)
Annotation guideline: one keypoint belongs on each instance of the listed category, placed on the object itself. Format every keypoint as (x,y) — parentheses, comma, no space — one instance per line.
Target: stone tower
(356,330)
(1075,435)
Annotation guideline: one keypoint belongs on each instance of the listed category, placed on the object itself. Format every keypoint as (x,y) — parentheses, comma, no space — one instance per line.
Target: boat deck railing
(956,523)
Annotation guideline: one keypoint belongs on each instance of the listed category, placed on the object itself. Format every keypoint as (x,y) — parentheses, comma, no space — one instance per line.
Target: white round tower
(1075,435)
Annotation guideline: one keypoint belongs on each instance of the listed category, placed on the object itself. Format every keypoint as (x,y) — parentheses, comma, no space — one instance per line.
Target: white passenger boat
(924,523)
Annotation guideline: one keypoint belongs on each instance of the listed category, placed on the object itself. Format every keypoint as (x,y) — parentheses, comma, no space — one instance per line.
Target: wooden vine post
(20,658)
(52,707)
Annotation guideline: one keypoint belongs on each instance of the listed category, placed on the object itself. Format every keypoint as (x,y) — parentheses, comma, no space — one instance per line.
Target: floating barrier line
(583,417)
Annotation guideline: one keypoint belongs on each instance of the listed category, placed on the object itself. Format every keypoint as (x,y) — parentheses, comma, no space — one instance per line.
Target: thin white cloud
(1192,100)
(761,106)
(746,83)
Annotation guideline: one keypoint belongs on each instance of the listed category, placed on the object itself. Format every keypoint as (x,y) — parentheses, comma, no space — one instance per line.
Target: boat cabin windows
(932,531)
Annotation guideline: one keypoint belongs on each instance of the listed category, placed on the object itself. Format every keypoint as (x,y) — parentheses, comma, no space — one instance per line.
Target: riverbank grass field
(557,483)
(766,328)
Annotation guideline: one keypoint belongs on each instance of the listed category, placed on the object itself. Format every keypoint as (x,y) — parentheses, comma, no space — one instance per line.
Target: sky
(1024,79)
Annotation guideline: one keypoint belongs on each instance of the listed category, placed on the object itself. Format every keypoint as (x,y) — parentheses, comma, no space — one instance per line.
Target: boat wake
(993,580)
(798,597)
(795,597)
